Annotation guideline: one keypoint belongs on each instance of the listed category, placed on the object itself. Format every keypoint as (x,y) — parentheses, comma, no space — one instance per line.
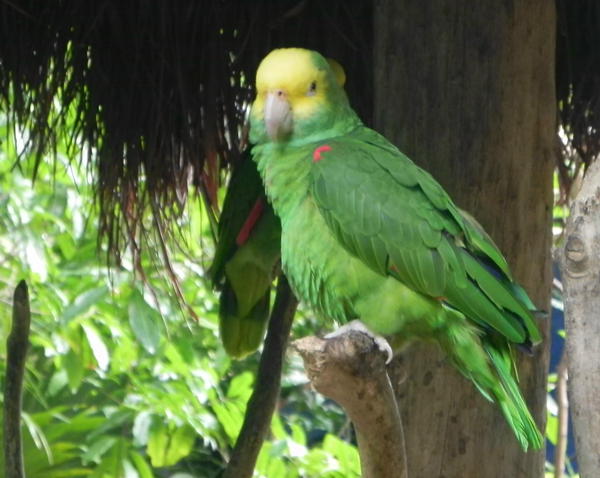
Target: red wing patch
(317,152)
(251,221)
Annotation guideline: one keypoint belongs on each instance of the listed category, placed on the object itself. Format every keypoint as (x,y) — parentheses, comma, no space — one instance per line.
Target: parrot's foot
(358,326)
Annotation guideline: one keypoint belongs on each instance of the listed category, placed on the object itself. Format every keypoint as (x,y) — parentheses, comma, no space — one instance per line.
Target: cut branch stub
(575,255)
(350,369)
(354,354)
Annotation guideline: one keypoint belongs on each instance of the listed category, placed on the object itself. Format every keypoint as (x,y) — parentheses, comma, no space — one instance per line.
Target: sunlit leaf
(74,365)
(141,427)
(552,428)
(98,448)
(180,444)
(58,381)
(241,386)
(157,444)
(346,454)
(144,321)
(97,345)
(141,465)
(83,302)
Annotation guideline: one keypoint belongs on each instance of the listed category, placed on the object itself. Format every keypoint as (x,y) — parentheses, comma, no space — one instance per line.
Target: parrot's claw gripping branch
(350,368)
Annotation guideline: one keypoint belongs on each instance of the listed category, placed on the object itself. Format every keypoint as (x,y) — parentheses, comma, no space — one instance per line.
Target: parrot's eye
(312,89)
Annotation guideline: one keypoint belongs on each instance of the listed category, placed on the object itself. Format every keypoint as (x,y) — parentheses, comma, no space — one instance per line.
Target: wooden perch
(581,279)
(350,369)
(16,352)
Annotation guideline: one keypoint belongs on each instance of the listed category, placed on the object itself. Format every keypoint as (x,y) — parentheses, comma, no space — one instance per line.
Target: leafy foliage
(120,382)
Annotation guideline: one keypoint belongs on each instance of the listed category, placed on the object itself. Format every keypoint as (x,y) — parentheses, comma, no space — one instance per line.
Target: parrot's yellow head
(298,92)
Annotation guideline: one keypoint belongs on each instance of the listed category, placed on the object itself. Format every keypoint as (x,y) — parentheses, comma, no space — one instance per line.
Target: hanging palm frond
(578,87)
(158,89)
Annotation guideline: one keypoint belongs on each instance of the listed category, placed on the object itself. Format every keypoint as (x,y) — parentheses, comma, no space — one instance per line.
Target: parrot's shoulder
(366,159)
(364,155)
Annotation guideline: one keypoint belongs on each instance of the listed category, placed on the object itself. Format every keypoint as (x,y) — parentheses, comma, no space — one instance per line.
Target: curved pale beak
(279,119)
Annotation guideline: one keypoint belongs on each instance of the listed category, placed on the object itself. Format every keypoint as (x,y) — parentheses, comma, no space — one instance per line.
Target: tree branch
(16,352)
(350,369)
(266,391)
(581,278)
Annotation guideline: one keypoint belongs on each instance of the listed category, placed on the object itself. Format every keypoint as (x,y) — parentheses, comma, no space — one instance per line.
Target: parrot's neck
(285,166)
(285,173)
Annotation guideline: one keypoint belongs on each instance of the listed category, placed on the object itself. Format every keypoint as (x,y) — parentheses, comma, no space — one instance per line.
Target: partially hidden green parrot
(372,240)
(246,261)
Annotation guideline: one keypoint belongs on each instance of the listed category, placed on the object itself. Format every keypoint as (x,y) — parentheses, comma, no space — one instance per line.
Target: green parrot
(367,235)
(246,260)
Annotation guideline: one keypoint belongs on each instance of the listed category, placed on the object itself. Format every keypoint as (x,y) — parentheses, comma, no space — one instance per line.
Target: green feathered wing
(399,221)
(246,258)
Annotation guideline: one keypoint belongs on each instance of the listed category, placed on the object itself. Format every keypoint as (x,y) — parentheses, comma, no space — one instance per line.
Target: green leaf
(116,420)
(37,435)
(552,428)
(141,428)
(114,463)
(298,434)
(58,381)
(181,444)
(83,302)
(270,464)
(97,345)
(241,386)
(144,322)
(277,428)
(95,452)
(346,454)
(141,465)
(74,365)
(230,416)
(157,444)
(124,354)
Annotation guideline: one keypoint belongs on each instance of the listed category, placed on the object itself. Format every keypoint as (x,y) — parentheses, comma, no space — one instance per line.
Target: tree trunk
(466,89)
(581,277)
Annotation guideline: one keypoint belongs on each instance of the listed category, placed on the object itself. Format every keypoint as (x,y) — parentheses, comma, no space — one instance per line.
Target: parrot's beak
(278,115)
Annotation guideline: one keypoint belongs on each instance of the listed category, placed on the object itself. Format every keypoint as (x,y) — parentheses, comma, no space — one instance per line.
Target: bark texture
(350,369)
(466,89)
(581,280)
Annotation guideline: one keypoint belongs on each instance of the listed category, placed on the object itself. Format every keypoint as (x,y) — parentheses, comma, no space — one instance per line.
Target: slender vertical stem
(16,352)
(266,391)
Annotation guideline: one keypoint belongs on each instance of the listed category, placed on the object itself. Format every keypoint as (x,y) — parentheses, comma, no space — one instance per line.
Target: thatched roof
(578,83)
(157,88)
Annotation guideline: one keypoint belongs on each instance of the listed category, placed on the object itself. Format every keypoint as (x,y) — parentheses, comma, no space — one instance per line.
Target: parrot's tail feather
(242,335)
(511,400)
(489,365)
